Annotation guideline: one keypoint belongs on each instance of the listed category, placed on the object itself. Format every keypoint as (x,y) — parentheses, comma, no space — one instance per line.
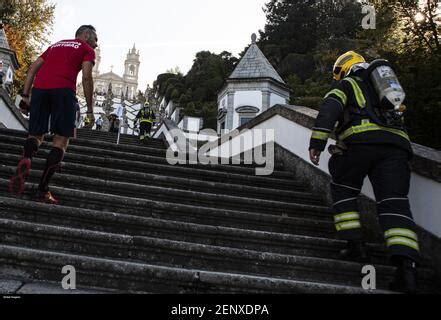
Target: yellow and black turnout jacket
(145,116)
(346,106)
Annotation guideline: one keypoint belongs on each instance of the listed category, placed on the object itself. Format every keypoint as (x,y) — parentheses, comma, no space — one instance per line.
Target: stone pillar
(126,125)
(2,74)
(125,119)
(230,110)
(107,107)
(266,100)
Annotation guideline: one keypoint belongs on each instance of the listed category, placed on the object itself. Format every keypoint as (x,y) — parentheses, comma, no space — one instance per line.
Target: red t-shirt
(62,63)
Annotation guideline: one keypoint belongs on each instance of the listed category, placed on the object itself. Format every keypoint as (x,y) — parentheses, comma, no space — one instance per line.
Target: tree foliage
(303,38)
(27,25)
(408,35)
(196,92)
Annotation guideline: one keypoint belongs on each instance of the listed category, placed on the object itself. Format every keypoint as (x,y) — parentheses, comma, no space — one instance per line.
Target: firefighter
(146,118)
(113,123)
(371,141)
(87,123)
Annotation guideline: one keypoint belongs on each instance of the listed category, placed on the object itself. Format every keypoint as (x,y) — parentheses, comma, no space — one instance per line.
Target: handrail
(119,133)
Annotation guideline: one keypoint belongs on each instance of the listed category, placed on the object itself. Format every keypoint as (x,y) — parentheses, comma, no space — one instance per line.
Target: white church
(252,88)
(125,85)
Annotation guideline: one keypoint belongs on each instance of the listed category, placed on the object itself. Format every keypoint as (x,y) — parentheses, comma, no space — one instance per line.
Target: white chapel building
(252,88)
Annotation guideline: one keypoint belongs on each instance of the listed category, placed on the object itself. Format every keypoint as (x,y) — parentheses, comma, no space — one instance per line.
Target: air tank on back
(390,92)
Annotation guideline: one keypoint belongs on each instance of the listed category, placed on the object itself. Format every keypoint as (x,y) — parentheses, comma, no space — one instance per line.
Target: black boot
(405,277)
(355,250)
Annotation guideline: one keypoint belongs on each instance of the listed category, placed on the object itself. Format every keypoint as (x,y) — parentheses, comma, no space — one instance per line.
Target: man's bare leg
(54,159)
(39,139)
(61,142)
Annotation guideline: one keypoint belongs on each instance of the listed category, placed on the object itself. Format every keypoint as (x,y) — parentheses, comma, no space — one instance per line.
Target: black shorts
(55,107)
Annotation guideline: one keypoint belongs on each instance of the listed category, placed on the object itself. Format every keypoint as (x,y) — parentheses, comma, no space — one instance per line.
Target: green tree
(408,35)
(196,92)
(27,26)
(174,70)
(291,27)
(303,38)
(302,65)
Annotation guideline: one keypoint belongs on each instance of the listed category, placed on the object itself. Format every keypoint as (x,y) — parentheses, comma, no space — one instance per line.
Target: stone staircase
(131,223)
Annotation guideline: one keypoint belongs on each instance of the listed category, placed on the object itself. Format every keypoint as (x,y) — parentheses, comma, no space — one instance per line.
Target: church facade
(125,85)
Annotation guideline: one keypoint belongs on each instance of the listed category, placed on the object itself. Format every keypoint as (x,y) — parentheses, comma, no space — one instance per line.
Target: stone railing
(292,127)
(290,130)
(174,137)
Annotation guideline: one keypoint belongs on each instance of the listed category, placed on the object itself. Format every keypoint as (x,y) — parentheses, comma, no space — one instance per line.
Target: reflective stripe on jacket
(346,106)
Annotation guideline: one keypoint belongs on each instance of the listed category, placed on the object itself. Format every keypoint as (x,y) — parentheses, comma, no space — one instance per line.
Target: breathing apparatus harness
(383,103)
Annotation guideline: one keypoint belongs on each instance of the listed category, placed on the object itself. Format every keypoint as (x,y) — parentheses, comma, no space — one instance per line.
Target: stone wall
(10,115)
(292,126)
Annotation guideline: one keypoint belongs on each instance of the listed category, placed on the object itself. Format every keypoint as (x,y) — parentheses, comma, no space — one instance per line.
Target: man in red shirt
(53,76)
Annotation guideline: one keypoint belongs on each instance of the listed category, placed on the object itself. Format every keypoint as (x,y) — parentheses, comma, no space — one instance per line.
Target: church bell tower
(131,72)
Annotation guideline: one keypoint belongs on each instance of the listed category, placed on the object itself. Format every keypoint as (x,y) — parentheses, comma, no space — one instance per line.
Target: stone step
(139,164)
(151,224)
(137,148)
(292,243)
(189,184)
(130,140)
(132,277)
(20,286)
(86,134)
(131,191)
(151,155)
(187,255)
(156,144)
(95,145)
(95,135)
(122,141)
(80,219)
(102,134)
(185,213)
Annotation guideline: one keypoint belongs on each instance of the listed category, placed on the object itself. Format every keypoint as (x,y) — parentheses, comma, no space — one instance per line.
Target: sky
(168,33)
